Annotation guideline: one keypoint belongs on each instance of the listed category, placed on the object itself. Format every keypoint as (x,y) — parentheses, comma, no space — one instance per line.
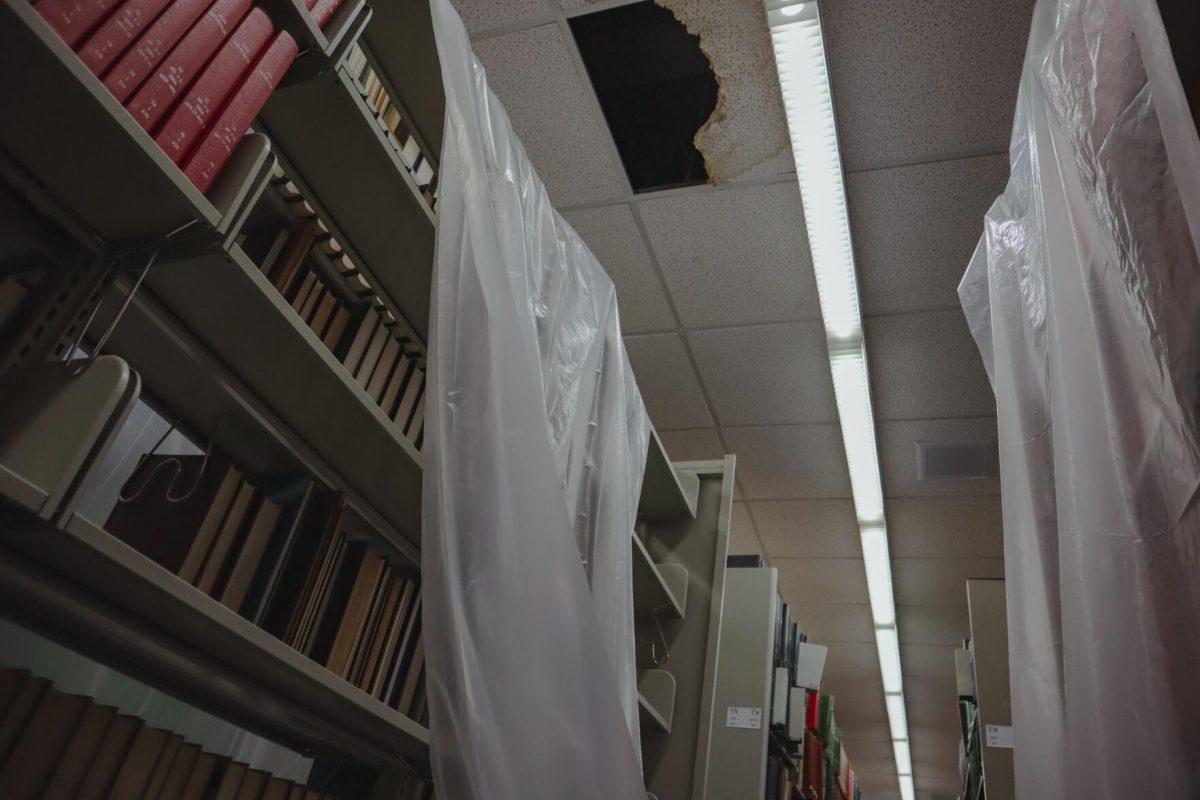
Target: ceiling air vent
(958,460)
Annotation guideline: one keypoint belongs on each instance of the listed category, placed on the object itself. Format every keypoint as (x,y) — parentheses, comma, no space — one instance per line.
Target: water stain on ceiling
(745,134)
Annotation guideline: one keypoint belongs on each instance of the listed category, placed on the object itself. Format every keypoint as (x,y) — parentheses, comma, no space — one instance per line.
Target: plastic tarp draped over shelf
(1084,298)
(536,441)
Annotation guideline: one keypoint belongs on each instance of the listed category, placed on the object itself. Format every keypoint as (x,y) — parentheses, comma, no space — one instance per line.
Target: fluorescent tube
(903,757)
(889,660)
(799,47)
(853,393)
(897,718)
(878,567)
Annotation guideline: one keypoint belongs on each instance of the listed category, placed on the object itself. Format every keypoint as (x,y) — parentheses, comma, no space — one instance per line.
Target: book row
(280,553)
(307,266)
(192,73)
(59,746)
(394,126)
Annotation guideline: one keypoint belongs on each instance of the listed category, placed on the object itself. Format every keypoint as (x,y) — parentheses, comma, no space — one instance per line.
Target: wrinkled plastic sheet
(536,442)
(1084,299)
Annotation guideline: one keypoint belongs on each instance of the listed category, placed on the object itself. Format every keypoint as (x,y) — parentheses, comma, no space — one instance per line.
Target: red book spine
(218,144)
(322,10)
(112,37)
(141,59)
(208,94)
(175,74)
(74,19)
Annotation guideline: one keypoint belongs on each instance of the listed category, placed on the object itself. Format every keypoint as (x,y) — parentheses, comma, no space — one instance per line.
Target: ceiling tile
(871,732)
(766,374)
(928,659)
(850,711)
(808,528)
(924,79)
(858,659)
(940,771)
(945,787)
(822,580)
(928,738)
(945,526)
(792,461)
(876,765)
(483,15)
(930,688)
(860,750)
(613,237)
(934,749)
(850,685)
(940,714)
(926,365)
(879,785)
(695,444)
(667,382)
(826,623)
(940,581)
(532,73)
(944,624)
(742,540)
(735,255)
(916,227)
(898,456)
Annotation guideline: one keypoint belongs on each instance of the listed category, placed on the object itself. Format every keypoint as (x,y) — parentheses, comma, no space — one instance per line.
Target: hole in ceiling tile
(656,89)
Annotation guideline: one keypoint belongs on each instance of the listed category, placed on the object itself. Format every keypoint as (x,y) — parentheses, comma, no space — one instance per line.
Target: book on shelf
(171,508)
(322,11)
(143,58)
(203,100)
(72,763)
(115,34)
(281,554)
(392,122)
(74,19)
(158,94)
(219,141)
(62,746)
(192,73)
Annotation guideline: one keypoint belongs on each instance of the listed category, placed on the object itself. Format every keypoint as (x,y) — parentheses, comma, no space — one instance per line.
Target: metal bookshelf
(329,136)
(222,299)
(210,339)
(83,586)
(400,39)
(677,653)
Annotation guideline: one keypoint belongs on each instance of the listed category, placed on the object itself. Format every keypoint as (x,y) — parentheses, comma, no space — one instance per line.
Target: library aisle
(599,399)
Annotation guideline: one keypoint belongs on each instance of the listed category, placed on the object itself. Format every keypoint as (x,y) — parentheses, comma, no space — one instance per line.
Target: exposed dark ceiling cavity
(656,88)
(1181,19)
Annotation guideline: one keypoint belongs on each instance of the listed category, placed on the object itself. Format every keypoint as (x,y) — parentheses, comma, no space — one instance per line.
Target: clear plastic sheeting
(536,441)
(1084,298)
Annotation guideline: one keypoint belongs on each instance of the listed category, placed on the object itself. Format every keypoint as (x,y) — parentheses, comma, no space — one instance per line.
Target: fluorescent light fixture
(903,757)
(897,718)
(889,660)
(852,390)
(808,102)
(878,566)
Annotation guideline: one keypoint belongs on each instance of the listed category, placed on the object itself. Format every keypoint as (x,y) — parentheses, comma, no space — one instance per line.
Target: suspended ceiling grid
(719,307)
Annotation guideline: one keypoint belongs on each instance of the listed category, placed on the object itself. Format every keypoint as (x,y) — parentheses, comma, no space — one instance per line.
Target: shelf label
(999,736)
(743,717)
